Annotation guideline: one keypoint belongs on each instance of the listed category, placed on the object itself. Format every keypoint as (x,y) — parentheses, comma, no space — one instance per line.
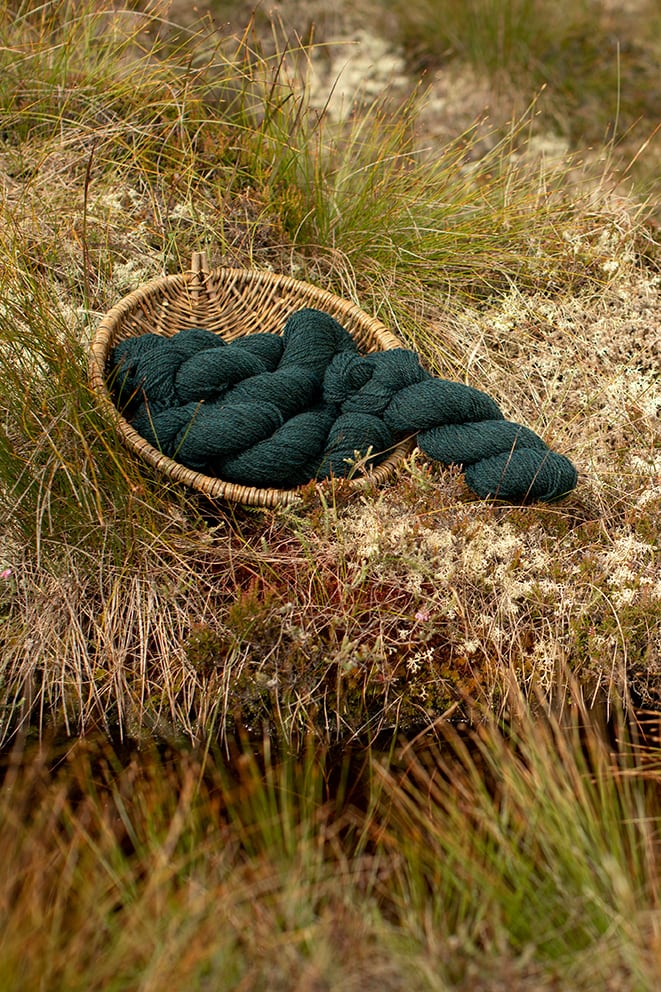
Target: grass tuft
(596,65)
(523,853)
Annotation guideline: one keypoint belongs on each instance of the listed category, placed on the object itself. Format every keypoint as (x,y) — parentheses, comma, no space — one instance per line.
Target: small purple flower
(6,574)
(422,615)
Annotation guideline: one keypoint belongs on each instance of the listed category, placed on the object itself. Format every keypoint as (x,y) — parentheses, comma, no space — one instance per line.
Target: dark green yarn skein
(202,435)
(520,458)
(272,410)
(351,433)
(292,389)
(368,383)
(289,457)
(524,473)
(210,374)
(220,431)
(312,339)
(436,402)
(147,366)
(268,347)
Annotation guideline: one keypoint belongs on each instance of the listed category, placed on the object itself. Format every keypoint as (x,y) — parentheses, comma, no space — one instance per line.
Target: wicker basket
(230,302)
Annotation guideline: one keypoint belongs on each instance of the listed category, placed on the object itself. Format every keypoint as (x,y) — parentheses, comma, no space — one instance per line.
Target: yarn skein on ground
(271,410)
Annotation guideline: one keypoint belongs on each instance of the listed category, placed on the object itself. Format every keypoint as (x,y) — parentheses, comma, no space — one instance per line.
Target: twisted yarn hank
(273,410)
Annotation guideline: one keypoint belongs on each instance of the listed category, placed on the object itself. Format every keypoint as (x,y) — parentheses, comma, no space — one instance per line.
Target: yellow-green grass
(598,60)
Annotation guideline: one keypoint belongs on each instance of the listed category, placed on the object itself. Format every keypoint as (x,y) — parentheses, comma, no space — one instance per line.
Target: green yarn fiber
(271,410)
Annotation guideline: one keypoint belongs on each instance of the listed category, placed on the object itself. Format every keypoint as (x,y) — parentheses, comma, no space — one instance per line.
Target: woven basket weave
(230,302)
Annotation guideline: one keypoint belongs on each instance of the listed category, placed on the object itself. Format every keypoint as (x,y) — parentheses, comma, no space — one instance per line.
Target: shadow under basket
(232,303)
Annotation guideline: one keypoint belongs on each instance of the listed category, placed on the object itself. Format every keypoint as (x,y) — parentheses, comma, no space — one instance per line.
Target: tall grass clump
(524,855)
(540,830)
(598,62)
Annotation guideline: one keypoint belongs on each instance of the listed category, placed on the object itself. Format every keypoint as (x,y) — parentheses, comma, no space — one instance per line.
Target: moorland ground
(402,738)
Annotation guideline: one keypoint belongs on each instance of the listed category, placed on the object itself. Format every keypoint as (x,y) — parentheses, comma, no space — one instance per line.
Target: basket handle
(199,267)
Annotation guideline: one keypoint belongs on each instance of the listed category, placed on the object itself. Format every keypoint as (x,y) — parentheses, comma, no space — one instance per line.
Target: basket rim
(194,282)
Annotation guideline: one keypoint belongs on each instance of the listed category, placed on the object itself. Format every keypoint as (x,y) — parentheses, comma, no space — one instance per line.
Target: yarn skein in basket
(232,303)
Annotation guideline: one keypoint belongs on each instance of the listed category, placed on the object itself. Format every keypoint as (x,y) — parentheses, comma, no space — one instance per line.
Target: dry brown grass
(463,860)
(128,603)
